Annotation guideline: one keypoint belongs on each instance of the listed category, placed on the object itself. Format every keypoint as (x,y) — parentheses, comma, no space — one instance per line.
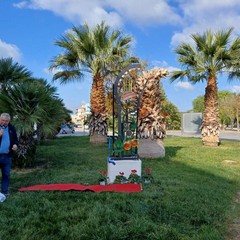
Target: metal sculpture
(124,145)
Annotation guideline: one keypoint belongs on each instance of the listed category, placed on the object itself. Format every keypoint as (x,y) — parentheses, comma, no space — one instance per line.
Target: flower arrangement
(103,178)
(129,144)
(147,176)
(121,146)
(120,178)
(134,177)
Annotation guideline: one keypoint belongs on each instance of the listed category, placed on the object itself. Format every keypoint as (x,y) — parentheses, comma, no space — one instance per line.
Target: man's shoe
(2,197)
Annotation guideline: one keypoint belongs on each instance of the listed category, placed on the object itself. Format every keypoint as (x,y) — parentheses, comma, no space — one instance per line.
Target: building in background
(81,116)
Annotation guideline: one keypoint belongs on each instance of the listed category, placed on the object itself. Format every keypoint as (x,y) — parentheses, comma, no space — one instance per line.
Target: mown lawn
(191,198)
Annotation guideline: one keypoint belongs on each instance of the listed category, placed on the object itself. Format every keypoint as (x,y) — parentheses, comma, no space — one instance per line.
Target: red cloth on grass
(128,187)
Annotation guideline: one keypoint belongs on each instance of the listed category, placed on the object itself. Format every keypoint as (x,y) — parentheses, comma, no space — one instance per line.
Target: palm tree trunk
(25,155)
(210,128)
(98,122)
(151,130)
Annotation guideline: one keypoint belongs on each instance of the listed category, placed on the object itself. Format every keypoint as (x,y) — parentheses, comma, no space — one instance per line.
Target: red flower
(134,143)
(103,172)
(127,146)
(121,173)
(134,171)
(148,171)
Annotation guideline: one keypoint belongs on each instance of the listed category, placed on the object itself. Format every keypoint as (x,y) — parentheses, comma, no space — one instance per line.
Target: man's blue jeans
(5,165)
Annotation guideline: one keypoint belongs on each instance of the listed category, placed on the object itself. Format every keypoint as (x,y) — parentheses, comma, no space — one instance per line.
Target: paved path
(224,135)
(78,132)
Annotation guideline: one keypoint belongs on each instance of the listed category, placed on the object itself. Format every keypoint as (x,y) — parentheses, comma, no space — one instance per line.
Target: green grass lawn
(192,196)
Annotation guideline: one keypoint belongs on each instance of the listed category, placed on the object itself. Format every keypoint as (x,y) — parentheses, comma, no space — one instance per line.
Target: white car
(66,130)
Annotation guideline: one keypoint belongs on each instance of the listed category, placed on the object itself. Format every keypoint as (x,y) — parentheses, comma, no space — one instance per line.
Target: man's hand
(1,132)
(14,148)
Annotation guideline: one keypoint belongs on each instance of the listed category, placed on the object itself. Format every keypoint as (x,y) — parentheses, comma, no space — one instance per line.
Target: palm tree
(35,109)
(53,112)
(91,51)
(211,54)
(11,73)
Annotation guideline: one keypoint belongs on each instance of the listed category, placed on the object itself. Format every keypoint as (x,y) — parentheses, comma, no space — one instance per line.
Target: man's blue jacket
(13,137)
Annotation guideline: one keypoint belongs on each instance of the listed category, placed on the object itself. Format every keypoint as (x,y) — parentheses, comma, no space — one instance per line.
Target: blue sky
(28,30)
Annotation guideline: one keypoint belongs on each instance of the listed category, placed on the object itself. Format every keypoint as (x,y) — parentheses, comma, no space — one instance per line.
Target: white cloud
(235,89)
(202,15)
(146,12)
(9,50)
(21,4)
(184,85)
(46,70)
(191,16)
(113,12)
(164,64)
(77,11)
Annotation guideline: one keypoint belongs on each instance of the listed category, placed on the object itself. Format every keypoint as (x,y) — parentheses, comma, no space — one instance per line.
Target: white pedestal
(124,166)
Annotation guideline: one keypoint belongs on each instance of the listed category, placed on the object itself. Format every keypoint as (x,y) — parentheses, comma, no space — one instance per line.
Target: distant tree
(210,55)
(198,104)
(230,109)
(172,116)
(237,100)
(225,109)
(224,94)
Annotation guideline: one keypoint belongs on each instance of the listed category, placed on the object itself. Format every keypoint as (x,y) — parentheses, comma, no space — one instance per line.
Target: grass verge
(191,198)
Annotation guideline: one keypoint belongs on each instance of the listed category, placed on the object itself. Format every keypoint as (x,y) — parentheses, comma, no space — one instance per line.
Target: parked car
(66,130)
(78,125)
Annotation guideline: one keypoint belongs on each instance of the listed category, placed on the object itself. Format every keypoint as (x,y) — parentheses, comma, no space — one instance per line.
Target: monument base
(125,166)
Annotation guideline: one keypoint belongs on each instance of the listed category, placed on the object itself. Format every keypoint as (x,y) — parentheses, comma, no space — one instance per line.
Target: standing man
(8,143)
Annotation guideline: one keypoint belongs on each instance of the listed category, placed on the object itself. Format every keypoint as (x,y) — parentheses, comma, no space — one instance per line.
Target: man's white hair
(5,115)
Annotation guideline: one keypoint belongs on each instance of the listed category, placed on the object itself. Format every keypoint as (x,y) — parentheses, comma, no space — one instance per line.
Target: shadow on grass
(171,152)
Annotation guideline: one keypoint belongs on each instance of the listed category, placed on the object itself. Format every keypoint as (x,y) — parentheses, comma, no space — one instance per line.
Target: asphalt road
(224,135)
